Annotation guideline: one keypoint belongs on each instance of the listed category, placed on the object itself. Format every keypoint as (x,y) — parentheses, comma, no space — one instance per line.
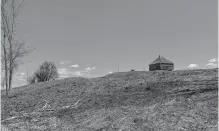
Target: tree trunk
(10,62)
(10,48)
(6,67)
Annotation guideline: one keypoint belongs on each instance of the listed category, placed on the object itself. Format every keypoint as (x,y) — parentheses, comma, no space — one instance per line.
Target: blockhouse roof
(161,59)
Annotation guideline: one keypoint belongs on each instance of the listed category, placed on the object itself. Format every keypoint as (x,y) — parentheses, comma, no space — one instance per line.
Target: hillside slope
(158,100)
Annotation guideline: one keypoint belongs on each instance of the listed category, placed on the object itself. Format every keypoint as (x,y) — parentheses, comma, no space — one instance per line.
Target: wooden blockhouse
(161,63)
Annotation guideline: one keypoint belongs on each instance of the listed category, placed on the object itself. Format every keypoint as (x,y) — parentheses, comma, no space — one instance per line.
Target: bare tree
(12,50)
(4,30)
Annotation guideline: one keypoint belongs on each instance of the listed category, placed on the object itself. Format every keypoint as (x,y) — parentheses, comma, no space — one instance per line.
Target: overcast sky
(90,37)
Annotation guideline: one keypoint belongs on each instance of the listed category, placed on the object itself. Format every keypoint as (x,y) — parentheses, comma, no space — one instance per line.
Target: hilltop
(135,100)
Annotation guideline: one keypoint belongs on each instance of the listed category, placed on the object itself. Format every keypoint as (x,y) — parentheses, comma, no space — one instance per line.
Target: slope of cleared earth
(138,101)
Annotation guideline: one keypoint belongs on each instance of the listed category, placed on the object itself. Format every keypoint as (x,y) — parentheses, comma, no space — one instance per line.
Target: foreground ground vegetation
(183,100)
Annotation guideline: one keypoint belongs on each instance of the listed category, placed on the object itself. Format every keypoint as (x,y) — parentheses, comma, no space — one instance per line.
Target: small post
(118,67)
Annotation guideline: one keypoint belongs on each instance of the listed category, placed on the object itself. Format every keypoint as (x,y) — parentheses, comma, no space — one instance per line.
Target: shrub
(46,72)
(31,80)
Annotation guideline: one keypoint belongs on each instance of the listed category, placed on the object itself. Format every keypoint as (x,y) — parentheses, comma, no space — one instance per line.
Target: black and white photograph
(109,65)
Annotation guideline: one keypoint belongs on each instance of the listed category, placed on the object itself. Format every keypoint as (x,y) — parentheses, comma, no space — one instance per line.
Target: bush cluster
(46,72)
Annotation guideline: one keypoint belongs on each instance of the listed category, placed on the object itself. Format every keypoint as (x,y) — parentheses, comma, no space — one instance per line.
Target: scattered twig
(9,118)
(74,106)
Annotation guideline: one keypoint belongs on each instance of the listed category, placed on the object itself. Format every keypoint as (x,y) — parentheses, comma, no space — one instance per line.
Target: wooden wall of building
(161,66)
(165,66)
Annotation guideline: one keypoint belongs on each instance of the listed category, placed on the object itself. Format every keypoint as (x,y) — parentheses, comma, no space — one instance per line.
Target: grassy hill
(137,101)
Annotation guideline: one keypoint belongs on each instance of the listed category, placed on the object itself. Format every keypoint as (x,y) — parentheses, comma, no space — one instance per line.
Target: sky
(92,38)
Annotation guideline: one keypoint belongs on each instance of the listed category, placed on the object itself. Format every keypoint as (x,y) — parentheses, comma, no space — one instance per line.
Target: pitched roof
(161,59)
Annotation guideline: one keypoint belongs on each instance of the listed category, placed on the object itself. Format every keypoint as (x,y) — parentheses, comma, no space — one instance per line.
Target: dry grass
(138,101)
